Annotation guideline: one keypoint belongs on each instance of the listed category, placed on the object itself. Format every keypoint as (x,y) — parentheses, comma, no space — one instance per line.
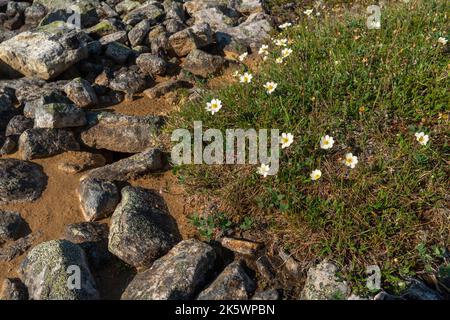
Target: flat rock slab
(141,228)
(179,275)
(151,160)
(20,181)
(47,269)
(46,51)
(121,133)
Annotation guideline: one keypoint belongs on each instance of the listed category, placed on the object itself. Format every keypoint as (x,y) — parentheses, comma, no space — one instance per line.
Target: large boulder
(43,142)
(121,133)
(179,275)
(232,284)
(322,283)
(45,52)
(141,228)
(150,160)
(20,181)
(50,270)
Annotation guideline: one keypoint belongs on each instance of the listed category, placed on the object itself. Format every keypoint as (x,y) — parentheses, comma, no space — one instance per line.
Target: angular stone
(9,146)
(266,295)
(78,161)
(150,160)
(7,111)
(265,268)
(45,52)
(20,181)
(203,64)
(249,6)
(34,14)
(193,6)
(81,93)
(290,263)
(59,115)
(47,271)
(121,133)
(42,142)
(322,283)
(128,81)
(126,6)
(232,284)
(179,275)
(98,198)
(165,87)
(118,52)
(17,125)
(18,247)
(195,37)
(13,289)
(139,32)
(215,18)
(62,10)
(152,11)
(241,246)
(10,225)
(32,103)
(151,64)
(119,36)
(141,228)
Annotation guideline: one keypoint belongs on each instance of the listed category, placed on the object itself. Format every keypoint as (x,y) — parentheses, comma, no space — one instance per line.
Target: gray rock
(119,36)
(215,18)
(18,247)
(266,295)
(195,37)
(105,27)
(48,268)
(128,81)
(121,133)
(151,64)
(250,6)
(7,111)
(13,289)
(142,163)
(43,142)
(62,10)
(417,290)
(118,52)
(20,181)
(81,93)
(34,14)
(152,11)
(265,268)
(174,10)
(78,161)
(98,198)
(159,41)
(126,6)
(165,87)
(139,32)
(141,228)
(203,64)
(10,225)
(17,125)
(173,26)
(193,6)
(59,115)
(9,146)
(322,283)
(232,284)
(179,275)
(254,32)
(45,52)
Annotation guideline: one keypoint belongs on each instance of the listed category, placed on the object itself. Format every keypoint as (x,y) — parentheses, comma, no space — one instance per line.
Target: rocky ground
(84,179)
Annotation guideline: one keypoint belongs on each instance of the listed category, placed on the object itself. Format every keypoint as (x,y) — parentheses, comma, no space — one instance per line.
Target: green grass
(371,90)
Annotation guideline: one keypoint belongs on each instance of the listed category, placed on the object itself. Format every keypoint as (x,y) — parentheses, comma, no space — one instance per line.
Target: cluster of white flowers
(285,25)
(442,41)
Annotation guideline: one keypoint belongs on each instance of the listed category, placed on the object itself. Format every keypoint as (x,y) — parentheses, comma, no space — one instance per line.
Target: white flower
(286,52)
(263,170)
(285,25)
(326,142)
(265,58)
(246,78)
(243,56)
(270,87)
(442,41)
(281,42)
(279,60)
(235,74)
(286,140)
(308,12)
(264,50)
(214,106)
(350,160)
(316,174)
(422,138)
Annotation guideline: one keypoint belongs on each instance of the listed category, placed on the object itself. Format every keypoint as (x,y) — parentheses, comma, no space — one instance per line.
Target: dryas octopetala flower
(308,12)
(264,50)
(286,140)
(350,160)
(442,41)
(246,78)
(422,138)
(263,170)
(285,25)
(281,42)
(270,87)
(214,106)
(243,56)
(315,175)
(286,52)
(326,142)
(279,60)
